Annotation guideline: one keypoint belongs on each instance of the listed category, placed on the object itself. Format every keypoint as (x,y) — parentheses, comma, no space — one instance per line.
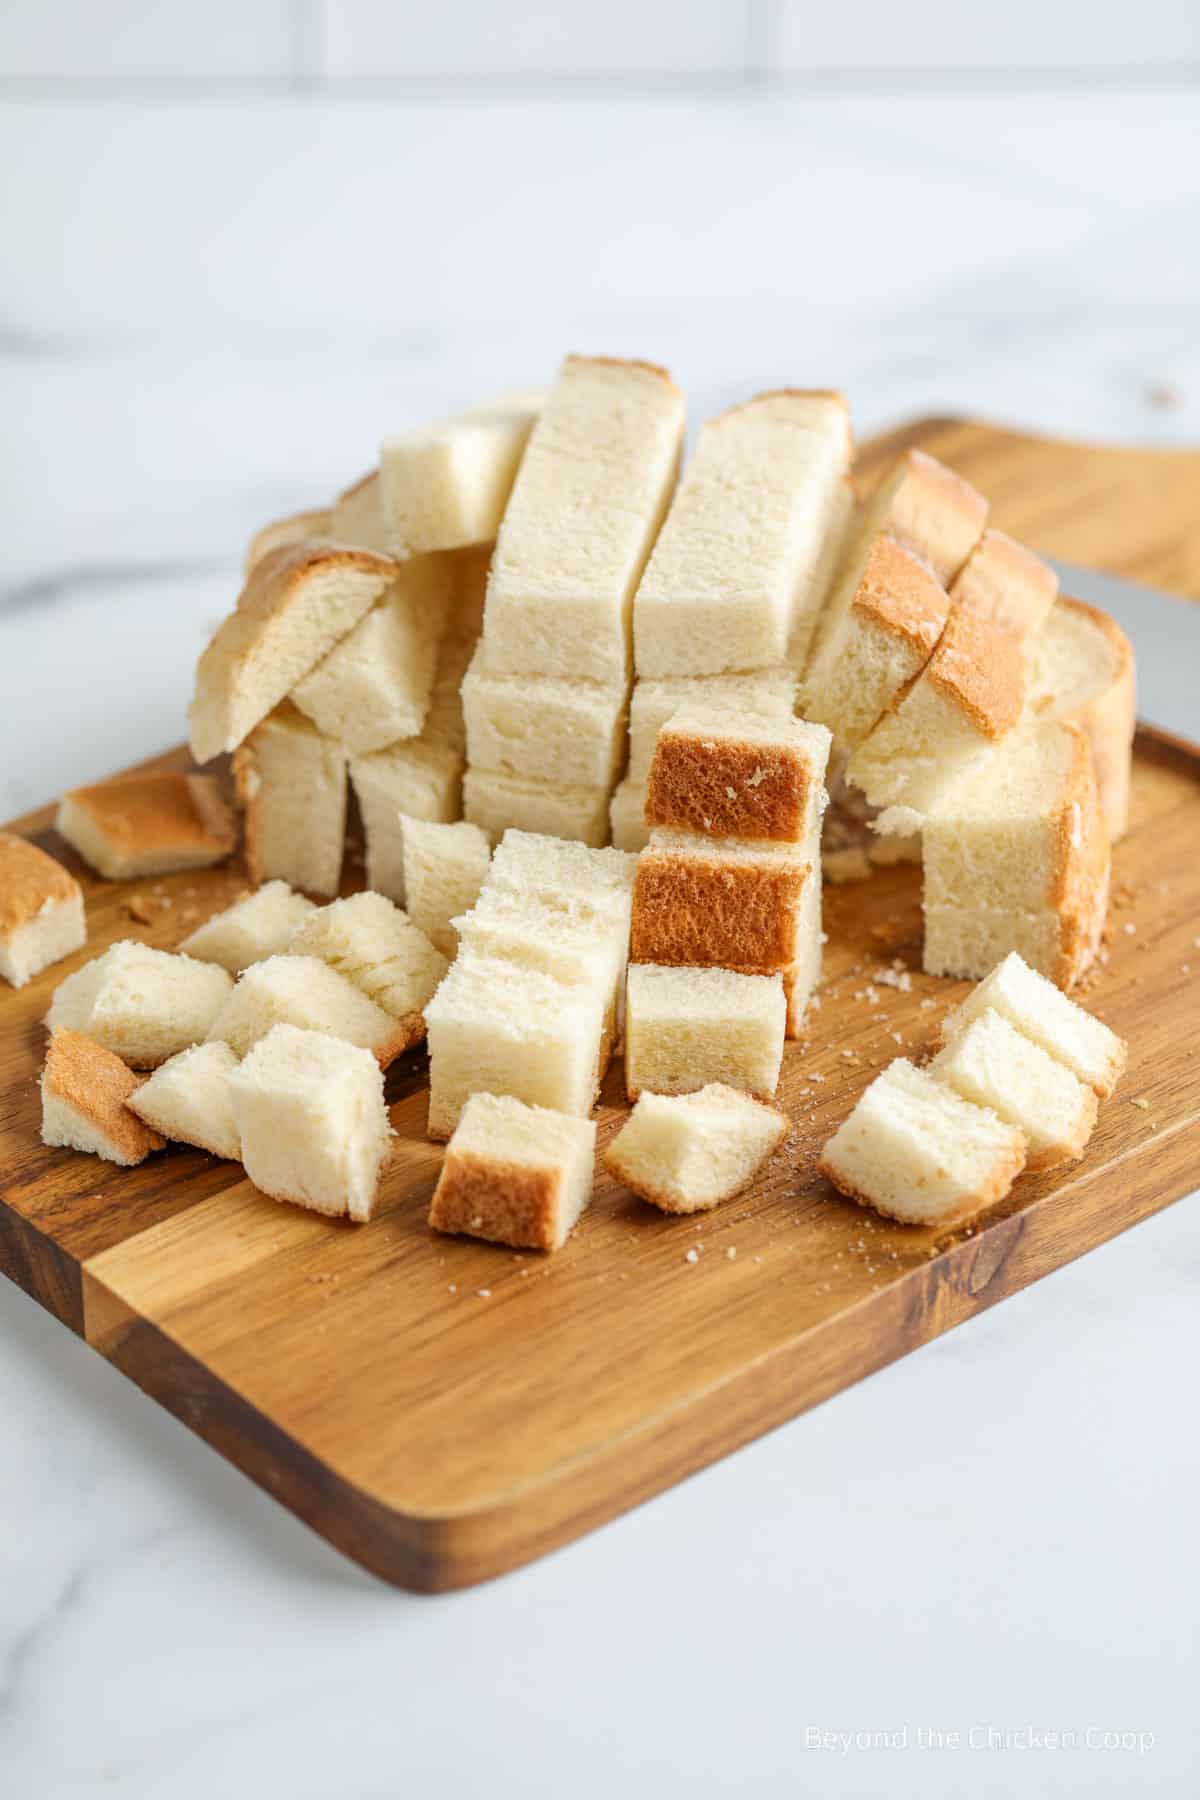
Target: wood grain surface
(444,1410)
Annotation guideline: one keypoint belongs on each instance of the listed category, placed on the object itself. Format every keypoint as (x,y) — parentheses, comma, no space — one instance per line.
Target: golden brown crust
(625,362)
(997,1189)
(980,668)
(699,910)
(409,1031)
(504,1202)
(901,595)
(1005,582)
(170,815)
(290,530)
(1082,862)
(95,1083)
(728,788)
(28,879)
(668,1203)
(932,512)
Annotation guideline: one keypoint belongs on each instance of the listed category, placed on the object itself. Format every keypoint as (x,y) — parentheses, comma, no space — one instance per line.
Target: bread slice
(447,484)
(417,779)
(1006,583)
(358,518)
(767,693)
(297,602)
(733,579)
(515,1174)
(304,991)
(281,534)
(497,803)
(291,785)
(567,936)
(839,535)
(144,1005)
(85,1089)
(627,815)
(543,728)
(528,862)
(378,948)
(1082,668)
(1019,860)
(41,911)
(497,1027)
(990,1062)
(312,1121)
(444,867)
(585,510)
(965,701)
(1037,1009)
(721,771)
(687,1027)
(148,824)
(445,724)
(685,1153)
(917,1151)
(256,926)
(375,686)
(929,510)
(188,1100)
(700,900)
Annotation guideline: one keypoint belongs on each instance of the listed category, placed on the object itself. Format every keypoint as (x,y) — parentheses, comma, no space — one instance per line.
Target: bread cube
(291,784)
(444,867)
(188,1100)
(420,779)
(85,1090)
(41,911)
(148,824)
(547,729)
(528,862)
(1036,1008)
(312,1121)
(515,1174)
(1003,581)
(685,1153)
(686,1027)
(768,693)
(725,773)
(447,484)
(144,1005)
(627,815)
(990,1062)
(306,992)
(917,1151)
(497,802)
(378,948)
(718,900)
(258,925)
(567,936)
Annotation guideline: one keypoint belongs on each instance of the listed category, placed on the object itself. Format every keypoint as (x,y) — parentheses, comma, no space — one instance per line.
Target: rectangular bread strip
(291,784)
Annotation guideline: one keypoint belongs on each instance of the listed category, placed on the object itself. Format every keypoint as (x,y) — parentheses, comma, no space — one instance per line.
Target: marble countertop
(212,311)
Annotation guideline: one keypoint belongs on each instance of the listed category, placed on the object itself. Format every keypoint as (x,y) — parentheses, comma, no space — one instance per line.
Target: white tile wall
(147,40)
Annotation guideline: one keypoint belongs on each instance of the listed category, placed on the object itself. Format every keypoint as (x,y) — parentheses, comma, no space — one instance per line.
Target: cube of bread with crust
(444,867)
(297,602)
(701,900)
(686,1027)
(417,779)
(188,1100)
(447,484)
(543,728)
(312,1121)
(498,803)
(256,926)
(515,1174)
(723,772)
(965,701)
(1003,581)
(627,815)
(304,991)
(768,693)
(85,1090)
(144,1005)
(585,510)
(1082,668)
(928,509)
(291,786)
(685,1153)
(1043,1014)
(1019,860)
(990,1062)
(377,947)
(281,534)
(497,1027)
(41,911)
(357,518)
(148,824)
(733,581)
(529,862)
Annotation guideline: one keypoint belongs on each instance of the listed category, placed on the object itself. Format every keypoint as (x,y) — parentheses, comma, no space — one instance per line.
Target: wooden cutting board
(443,1410)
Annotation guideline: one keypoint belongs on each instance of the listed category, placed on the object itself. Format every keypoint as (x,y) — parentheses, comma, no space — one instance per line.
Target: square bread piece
(1019,860)
(312,1121)
(444,867)
(528,862)
(188,1100)
(1082,668)
(375,686)
(41,911)
(144,1005)
(725,773)
(291,785)
(297,602)
(304,991)
(496,1027)
(376,946)
(733,579)
(585,509)
(515,1174)
(685,1153)
(1037,1009)
(547,729)
(916,1151)
(1003,581)
(687,1027)
(705,900)
(447,484)
(258,925)
(85,1090)
(965,701)
(497,803)
(767,693)
(993,1064)
(280,534)
(566,936)
(627,815)
(148,824)
(930,510)
(419,779)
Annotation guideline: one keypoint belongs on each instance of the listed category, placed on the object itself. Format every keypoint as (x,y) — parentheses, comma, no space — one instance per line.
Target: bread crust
(1082,862)
(166,822)
(932,512)
(699,910)
(996,1190)
(516,1203)
(579,358)
(669,1203)
(95,1084)
(1005,582)
(725,788)
(901,595)
(289,530)
(29,880)
(979,667)
(1109,717)
(410,1031)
